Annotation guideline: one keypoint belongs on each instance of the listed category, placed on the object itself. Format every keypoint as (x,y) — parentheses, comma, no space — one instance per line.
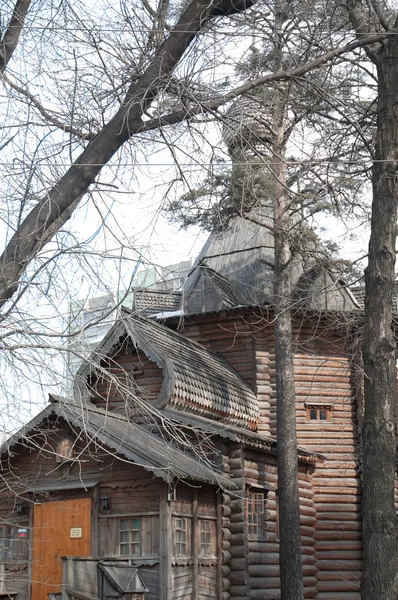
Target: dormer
(142,365)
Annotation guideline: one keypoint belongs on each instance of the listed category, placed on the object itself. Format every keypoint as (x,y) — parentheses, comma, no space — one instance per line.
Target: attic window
(129,537)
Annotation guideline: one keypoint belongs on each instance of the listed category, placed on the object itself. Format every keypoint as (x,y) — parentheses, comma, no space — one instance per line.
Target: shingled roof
(244,256)
(195,379)
(127,440)
(149,302)
(250,439)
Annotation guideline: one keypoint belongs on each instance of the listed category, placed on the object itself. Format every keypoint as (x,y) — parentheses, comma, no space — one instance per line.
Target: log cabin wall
(235,583)
(230,335)
(324,382)
(263,534)
(130,370)
(133,495)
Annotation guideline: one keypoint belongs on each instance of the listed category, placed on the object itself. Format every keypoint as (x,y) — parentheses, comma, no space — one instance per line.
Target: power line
(211,164)
(135,29)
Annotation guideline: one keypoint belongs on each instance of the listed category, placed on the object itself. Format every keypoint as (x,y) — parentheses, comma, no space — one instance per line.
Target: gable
(318,289)
(33,465)
(211,292)
(126,380)
(192,378)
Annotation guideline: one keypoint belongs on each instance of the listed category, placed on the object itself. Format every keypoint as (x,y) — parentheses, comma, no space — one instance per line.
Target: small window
(13,543)
(205,538)
(318,413)
(207,531)
(129,537)
(256,514)
(180,537)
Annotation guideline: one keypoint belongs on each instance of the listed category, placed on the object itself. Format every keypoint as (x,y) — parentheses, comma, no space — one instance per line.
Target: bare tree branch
(185,113)
(52,211)
(9,41)
(49,116)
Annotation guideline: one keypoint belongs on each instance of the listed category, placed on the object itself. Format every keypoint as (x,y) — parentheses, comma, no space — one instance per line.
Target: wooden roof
(195,379)
(125,440)
(250,439)
(244,256)
(148,302)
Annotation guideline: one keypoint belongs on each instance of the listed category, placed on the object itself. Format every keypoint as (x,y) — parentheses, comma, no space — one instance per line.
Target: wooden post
(195,545)
(165,544)
(2,578)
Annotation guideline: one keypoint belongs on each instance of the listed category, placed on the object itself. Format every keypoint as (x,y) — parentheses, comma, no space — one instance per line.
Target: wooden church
(157,478)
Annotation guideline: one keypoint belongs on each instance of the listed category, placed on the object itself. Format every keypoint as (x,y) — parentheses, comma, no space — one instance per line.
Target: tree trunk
(380,523)
(291,573)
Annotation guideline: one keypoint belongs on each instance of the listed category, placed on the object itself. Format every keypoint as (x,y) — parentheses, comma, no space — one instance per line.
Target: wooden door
(59,529)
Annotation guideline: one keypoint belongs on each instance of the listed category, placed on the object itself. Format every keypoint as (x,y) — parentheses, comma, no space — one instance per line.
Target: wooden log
(225,510)
(238,564)
(237,551)
(225,545)
(263,570)
(347,555)
(236,517)
(238,527)
(339,586)
(225,569)
(237,539)
(333,575)
(339,565)
(343,544)
(238,590)
(226,583)
(237,504)
(338,596)
(226,533)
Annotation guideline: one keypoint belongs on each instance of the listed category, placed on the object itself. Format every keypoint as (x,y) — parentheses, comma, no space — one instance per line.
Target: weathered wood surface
(130,371)
(323,375)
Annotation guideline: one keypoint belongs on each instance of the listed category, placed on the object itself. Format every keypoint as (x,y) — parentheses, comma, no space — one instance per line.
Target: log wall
(130,371)
(232,338)
(331,497)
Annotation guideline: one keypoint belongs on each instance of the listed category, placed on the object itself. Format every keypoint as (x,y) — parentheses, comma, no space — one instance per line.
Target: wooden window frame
(13,548)
(6,551)
(255,512)
(134,545)
(207,538)
(180,529)
(314,412)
